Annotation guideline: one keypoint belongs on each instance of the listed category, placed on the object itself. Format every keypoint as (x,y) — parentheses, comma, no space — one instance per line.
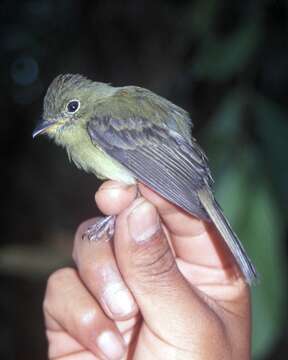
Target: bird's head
(68,104)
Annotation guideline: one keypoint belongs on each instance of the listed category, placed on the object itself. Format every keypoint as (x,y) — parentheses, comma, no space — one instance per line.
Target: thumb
(170,307)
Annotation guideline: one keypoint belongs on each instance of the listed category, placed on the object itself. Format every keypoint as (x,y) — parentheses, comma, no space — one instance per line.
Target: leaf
(221,59)
(224,130)
(203,15)
(265,226)
(272,129)
(227,119)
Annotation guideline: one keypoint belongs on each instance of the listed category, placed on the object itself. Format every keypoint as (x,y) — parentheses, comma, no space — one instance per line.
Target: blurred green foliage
(250,165)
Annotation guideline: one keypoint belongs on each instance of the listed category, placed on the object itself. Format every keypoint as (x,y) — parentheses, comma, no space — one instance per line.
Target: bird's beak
(42,127)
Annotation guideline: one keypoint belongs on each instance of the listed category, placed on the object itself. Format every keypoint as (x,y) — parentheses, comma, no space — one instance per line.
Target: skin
(182,299)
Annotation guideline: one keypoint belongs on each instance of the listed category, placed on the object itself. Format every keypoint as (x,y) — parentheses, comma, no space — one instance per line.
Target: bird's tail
(232,241)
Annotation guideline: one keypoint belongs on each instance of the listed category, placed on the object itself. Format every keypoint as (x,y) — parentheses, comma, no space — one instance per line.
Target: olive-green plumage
(130,134)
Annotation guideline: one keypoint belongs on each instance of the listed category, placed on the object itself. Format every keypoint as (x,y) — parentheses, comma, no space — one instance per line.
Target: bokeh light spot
(24,70)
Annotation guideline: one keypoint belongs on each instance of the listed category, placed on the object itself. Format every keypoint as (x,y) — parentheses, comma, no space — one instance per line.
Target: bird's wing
(159,157)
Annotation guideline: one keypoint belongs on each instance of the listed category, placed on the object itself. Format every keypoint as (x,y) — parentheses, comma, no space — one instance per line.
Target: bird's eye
(73,106)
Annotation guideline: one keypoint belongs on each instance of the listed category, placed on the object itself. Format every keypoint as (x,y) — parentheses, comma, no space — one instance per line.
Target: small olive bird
(130,134)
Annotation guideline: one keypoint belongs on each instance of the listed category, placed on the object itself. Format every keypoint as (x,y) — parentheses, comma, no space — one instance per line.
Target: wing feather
(160,158)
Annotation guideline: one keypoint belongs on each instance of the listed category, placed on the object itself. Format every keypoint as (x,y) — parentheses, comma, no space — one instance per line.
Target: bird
(130,134)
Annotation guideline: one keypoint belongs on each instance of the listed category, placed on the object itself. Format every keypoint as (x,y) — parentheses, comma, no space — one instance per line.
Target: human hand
(164,289)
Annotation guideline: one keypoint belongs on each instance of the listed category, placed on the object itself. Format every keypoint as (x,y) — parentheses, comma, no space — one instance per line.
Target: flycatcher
(130,134)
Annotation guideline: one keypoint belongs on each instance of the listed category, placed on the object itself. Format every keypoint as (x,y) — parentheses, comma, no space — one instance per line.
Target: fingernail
(143,222)
(118,299)
(110,345)
(115,295)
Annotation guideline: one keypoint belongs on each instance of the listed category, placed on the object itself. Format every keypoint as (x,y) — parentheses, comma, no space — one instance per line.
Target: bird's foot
(104,227)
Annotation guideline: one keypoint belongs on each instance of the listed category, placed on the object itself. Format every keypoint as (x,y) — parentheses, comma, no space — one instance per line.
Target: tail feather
(215,213)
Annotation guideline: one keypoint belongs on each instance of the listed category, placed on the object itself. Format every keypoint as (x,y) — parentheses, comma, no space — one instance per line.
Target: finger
(98,270)
(149,268)
(113,197)
(68,305)
(194,240)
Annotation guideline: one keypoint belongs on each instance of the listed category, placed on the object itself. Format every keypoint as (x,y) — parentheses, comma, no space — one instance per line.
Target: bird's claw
(103,228)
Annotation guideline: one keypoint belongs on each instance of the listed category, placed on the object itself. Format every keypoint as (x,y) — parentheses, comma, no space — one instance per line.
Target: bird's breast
(93,159)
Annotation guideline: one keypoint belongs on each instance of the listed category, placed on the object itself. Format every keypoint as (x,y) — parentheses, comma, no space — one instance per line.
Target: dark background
(224,61)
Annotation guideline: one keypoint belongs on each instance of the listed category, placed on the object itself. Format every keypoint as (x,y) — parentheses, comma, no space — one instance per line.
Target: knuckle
(46,305)
(75,250)
(157,263)
(55,283)
(86,318)
(58,277)
(88,269)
